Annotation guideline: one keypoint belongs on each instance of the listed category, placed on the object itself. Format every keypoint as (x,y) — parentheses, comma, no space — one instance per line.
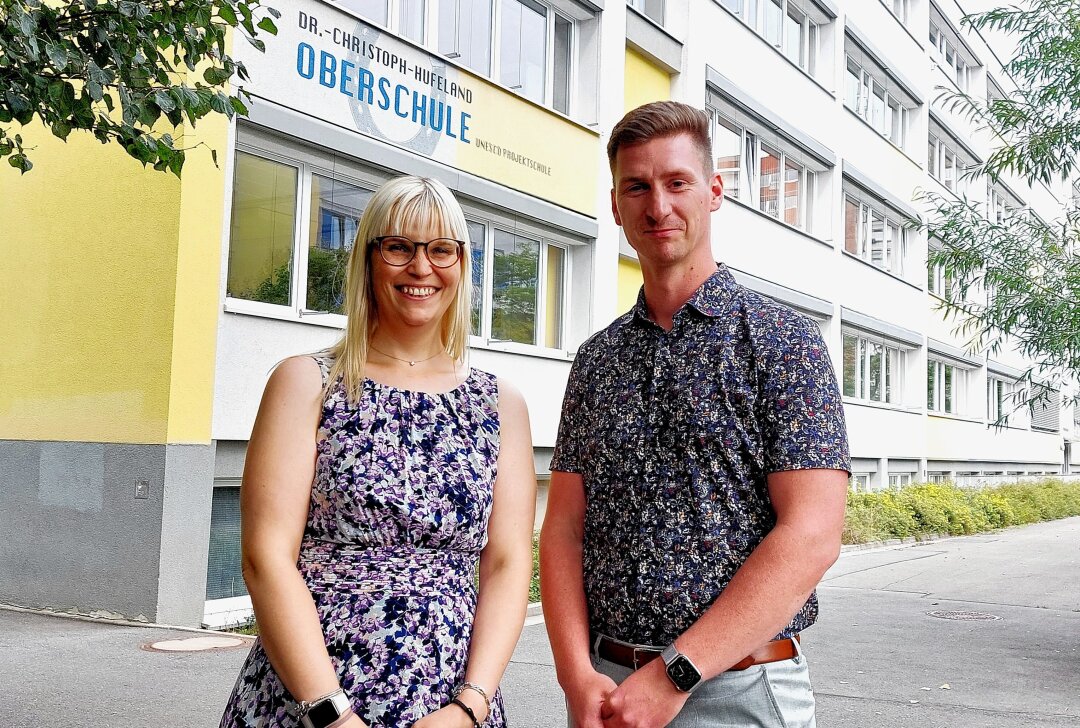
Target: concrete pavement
(878,658)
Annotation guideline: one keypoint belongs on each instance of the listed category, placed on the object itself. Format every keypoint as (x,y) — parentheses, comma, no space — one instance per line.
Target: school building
(143,313)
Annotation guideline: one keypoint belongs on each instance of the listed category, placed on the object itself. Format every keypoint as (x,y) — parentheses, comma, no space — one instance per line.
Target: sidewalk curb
(910,541)
(117,621)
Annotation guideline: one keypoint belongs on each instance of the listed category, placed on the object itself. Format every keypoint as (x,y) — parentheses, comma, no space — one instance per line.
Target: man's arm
(771,585)
(563,593)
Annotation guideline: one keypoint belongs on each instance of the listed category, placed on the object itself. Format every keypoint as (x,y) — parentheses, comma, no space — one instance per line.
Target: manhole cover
(965,616)
(195,644)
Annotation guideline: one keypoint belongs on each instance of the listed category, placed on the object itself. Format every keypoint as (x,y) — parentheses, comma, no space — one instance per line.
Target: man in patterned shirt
(699,478)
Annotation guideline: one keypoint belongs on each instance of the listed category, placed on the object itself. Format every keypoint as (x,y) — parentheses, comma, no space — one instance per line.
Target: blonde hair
(402,203)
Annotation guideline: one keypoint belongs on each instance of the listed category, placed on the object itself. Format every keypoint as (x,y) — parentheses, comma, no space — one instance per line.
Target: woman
(370,492)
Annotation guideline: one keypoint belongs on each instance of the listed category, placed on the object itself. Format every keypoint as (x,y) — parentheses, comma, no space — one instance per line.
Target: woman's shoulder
(302,372)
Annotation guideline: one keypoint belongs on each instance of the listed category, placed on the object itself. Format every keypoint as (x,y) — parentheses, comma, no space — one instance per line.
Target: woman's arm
(505,564)
(274,501)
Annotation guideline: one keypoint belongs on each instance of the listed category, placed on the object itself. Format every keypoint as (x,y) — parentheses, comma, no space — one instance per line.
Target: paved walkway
(878,658)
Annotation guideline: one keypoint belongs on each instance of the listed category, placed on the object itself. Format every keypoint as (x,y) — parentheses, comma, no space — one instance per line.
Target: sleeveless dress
(398,516)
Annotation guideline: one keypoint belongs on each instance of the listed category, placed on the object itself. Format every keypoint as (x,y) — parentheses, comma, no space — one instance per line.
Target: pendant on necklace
(412,363)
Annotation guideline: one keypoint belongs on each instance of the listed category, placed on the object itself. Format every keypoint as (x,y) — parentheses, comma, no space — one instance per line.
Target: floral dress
(398,517)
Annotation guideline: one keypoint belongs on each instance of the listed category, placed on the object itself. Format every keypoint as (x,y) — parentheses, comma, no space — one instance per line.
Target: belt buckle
(636,650)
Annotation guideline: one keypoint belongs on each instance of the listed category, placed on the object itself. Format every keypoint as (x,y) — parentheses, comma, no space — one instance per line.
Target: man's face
(663,200)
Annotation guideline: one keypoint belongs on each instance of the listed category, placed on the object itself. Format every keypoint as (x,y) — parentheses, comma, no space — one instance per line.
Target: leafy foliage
(116,68)
(1024,268)
(929,510)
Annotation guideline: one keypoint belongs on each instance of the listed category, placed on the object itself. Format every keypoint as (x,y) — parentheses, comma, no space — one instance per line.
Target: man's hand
(646,699)
(585,695)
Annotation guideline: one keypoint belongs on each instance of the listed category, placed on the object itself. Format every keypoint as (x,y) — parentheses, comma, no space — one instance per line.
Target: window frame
(868,80)
(329,164)
(950,53)
(862,374)
(809,28)
(753,136)
(868,205)
(936,402)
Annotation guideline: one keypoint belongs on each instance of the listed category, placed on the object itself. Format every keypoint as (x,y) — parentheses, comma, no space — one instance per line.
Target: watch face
(323,714)
(683,673)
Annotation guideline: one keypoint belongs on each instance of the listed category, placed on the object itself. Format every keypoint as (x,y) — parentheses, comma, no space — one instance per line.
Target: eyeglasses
(399,251)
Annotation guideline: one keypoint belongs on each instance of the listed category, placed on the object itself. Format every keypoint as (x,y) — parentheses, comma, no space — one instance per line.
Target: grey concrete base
(74,536)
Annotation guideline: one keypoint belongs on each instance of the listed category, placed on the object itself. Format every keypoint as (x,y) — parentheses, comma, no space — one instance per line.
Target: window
(789,26)
(950,53)
(262,231)
(527,282)
(937,476)
(900,480)
(938,280)
(876,97)
(873,369)
(1001,203)
(946,387)
(772,176)
(999,399)
(336,208)
(873,232)
(294,220)
(465,33)
(860,482)
(526,45)
(1046,409)
(652,9)
(223,577)
(899,8)
(947,160)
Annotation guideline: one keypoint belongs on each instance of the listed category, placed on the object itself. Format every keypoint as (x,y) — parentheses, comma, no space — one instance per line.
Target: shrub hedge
(933,508)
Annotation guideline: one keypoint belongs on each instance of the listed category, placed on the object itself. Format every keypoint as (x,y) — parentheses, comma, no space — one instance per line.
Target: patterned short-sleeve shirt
(674,433)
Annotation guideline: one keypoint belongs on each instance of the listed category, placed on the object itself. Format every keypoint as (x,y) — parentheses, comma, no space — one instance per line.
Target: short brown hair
(661,119)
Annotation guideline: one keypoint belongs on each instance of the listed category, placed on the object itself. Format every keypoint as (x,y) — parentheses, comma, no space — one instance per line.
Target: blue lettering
(436,116)
(464,126)
(346,79)
(305,60)
(327,69)
(365,81)
(419,109)
(398,91)
(384,93)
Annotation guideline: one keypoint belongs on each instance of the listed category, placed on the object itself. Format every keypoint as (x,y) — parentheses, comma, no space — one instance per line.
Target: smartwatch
(680,670)
(325,711)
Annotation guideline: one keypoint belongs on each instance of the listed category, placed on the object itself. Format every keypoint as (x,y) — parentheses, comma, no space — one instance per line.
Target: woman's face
(418,293)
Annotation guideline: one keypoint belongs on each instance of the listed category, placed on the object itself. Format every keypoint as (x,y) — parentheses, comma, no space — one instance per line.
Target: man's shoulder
(770,321)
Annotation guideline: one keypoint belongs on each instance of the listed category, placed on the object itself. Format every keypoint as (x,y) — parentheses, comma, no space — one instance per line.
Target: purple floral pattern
(399,511)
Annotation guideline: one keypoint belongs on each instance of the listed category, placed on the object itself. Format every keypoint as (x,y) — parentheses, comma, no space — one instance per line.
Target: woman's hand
(448,716)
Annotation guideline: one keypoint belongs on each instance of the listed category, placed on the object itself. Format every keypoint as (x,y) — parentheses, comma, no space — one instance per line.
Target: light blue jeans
(773,695)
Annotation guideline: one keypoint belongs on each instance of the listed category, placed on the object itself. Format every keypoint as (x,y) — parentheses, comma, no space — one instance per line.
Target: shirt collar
(710,299)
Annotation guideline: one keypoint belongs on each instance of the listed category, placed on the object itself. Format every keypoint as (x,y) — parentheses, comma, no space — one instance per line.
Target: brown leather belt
(633,657)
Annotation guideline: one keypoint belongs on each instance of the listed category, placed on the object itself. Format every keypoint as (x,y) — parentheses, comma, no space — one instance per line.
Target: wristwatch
(324,711)
(680,670)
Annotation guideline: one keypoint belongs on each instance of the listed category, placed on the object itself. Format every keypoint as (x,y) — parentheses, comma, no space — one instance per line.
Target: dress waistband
(325,565)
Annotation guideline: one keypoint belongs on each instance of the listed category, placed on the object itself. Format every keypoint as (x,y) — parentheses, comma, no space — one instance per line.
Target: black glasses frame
(377,242)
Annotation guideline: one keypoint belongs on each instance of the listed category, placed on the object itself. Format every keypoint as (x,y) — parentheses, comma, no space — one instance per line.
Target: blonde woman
(377,477)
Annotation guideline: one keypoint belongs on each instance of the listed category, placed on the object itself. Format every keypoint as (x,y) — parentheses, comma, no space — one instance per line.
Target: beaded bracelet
(468,711)
(466,685)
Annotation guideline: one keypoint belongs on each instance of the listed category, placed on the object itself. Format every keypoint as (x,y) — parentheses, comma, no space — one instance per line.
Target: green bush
(933,508)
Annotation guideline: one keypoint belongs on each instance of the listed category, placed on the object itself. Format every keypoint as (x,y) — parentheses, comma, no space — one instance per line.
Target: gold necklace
(410,362)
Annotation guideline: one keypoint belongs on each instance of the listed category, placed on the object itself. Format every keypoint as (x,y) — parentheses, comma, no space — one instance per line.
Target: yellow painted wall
(629,284)
(108,284)
(643,81)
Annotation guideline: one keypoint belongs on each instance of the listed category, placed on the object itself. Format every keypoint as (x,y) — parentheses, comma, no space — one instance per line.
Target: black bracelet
(468,711)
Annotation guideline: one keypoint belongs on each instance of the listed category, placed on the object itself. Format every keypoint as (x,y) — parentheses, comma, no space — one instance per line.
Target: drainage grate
(964,616)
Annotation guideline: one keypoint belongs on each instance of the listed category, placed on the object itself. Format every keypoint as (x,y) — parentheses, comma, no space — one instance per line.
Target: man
(699,478)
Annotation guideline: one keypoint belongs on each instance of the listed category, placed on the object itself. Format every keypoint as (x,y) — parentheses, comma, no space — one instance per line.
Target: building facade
(145,312)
